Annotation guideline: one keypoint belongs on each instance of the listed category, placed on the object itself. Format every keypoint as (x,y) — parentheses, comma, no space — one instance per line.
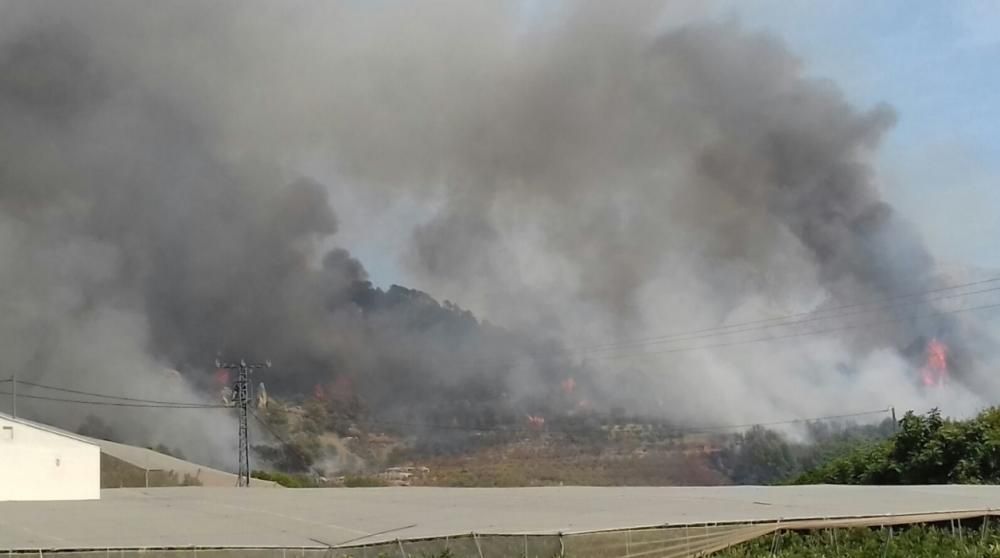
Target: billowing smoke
(593,176)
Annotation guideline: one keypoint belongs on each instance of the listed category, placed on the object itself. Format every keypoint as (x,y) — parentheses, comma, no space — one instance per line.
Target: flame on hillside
(935,370)
(568,386)
(536,422)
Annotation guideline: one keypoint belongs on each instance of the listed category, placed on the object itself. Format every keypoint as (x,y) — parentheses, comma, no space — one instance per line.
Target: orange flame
(568,385)
(342,389)
(319,392)
(935,370)
(536,422)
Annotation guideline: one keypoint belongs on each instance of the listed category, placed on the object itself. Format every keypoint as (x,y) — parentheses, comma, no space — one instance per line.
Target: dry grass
(539,464)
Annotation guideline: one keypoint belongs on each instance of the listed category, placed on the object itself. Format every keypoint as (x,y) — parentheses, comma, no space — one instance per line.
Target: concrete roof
(183,517)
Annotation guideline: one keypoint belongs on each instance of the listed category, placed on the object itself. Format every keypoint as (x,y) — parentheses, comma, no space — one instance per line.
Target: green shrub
(764,456)
(363,482)
(927,449)
(920,541)
(285,479)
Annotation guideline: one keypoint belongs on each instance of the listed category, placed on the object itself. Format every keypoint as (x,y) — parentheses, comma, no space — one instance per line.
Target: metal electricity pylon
(241,400)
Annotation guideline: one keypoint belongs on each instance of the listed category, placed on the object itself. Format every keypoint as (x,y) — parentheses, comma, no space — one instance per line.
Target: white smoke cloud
(609,174)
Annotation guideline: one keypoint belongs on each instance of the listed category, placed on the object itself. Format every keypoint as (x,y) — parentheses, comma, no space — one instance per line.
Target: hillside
(317,438)
(548,463)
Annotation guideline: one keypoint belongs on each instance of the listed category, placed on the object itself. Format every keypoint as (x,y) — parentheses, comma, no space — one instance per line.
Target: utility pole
(13,395)
(241,399)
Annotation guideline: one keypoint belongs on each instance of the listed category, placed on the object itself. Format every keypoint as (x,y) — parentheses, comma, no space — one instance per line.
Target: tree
(276,416)
(317,416)
(758,456)
(927,449)
(294,454)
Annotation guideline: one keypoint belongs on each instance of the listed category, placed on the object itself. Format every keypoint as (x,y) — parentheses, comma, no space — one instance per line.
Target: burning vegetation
(577,185)
(935,370)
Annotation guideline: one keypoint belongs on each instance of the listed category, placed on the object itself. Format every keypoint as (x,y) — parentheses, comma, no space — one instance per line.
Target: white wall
(36,464)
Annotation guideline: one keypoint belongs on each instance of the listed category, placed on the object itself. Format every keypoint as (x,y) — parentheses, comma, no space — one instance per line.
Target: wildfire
(222,377)
(536,422)
(568,385)
(342,389)
(935,371)
(319,392)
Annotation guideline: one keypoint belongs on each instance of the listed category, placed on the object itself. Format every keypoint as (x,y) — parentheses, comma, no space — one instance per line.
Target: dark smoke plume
(597,177)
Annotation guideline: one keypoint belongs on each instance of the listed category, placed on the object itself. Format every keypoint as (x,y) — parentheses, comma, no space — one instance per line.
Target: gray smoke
(594,177)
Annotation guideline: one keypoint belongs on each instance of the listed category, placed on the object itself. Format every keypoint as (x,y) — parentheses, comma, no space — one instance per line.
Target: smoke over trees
(165,195)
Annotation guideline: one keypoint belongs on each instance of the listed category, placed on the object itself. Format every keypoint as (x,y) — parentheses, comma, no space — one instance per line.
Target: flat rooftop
(268,517)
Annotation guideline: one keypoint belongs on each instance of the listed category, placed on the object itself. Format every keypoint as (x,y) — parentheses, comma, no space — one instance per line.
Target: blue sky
(938,64)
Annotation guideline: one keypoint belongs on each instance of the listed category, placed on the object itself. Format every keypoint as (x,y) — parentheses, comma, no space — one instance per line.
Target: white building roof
(146,458)
(48,428)
(249,517)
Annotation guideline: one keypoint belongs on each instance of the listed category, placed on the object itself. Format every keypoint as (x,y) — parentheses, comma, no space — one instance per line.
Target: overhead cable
(116,403)
(793,335)
(678,430)
(809,316)
(428,426)
(106,396)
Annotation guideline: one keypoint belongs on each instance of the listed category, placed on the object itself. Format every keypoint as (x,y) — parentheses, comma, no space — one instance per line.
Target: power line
(147,403)
(285,443)
(106,396)
(241,391)
(822,310)
(708,334)
(267,426)
(430,426)
(794,335)
(825,313)
(118,404)
(886,411)
(678,430)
